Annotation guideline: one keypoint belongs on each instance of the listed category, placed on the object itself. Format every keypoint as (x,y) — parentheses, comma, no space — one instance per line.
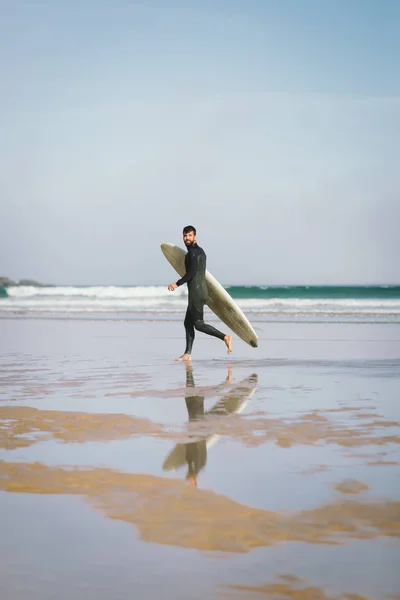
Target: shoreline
(178,317)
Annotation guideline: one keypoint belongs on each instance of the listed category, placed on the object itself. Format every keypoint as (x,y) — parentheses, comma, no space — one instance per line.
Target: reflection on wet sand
(288,587)
(351,486)
(34,381)
(23,426)
(194,453)
(167,511)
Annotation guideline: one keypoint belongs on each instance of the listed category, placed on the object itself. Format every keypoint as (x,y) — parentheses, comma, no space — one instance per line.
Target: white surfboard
(219,301)
(233,403)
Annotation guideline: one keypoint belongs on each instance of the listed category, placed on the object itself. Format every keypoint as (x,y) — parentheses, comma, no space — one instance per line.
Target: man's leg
(208,329)
(190,333)
(198,315)
(189,328)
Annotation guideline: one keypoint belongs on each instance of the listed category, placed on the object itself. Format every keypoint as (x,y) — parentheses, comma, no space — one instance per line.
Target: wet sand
(271,473)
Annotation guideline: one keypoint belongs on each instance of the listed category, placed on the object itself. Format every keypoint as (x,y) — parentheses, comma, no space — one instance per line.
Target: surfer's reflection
(194,454)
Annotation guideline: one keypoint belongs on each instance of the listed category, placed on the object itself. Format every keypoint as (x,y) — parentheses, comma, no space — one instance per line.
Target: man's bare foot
(228,342)
(185,358)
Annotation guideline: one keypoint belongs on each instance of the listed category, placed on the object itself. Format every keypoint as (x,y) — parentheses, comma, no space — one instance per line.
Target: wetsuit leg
(189,328)
(198,321)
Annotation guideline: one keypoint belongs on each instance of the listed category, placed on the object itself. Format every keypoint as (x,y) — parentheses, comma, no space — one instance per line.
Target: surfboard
(233,403)
(219,300)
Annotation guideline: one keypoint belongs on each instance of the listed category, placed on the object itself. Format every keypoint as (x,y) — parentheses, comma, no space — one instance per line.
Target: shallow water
(123,472)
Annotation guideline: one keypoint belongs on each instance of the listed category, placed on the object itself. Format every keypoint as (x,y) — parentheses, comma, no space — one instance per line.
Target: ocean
(364,304)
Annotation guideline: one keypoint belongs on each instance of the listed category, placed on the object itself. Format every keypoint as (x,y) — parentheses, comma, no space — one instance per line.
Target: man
(195,263)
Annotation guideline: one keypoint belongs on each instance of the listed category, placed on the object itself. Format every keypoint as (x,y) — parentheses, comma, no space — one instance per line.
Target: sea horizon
(224,284)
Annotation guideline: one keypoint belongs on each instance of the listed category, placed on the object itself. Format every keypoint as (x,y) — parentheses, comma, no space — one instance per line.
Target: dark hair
(188,229)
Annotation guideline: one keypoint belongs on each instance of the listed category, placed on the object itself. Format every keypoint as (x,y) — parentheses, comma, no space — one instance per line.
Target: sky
(272,126)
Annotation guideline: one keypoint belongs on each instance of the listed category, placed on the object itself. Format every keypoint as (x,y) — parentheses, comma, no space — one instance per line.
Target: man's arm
(191,272)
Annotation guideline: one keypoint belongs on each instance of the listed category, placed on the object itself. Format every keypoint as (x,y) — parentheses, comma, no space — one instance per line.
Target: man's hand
(172,287)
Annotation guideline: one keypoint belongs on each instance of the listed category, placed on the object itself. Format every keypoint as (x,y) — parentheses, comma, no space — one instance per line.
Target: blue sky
(271,126)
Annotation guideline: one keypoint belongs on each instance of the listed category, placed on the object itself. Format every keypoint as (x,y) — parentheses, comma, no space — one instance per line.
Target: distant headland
(6,282)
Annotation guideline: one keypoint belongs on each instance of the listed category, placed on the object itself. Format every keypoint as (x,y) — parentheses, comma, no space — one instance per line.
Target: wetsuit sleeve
(190,273)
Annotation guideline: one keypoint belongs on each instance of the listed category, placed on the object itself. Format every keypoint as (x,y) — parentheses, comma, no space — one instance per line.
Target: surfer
(195,263)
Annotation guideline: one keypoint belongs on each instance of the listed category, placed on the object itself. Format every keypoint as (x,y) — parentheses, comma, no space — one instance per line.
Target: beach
(270,473)
(229,166)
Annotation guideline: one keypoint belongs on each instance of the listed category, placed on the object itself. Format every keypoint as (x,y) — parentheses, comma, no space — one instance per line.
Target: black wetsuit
(195,263)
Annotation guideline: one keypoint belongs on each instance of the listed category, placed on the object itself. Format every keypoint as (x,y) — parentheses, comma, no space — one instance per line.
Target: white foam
(94,291)
(157,299)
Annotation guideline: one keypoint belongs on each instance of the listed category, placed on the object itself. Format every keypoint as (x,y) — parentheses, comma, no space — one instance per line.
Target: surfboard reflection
(194,454)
